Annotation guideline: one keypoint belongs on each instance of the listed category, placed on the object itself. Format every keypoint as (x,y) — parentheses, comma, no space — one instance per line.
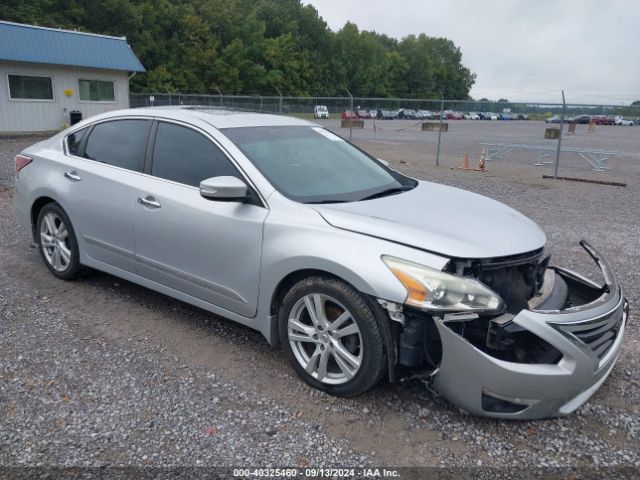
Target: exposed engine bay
(523,281)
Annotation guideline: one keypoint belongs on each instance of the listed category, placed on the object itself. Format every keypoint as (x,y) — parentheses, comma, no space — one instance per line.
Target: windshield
(312,165)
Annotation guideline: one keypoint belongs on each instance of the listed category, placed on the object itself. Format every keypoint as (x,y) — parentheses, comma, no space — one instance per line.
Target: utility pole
(564,110)
(350,113)
(280,102)
(440,130)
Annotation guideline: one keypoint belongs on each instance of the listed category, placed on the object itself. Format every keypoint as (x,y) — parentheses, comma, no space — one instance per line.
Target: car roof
(218,118)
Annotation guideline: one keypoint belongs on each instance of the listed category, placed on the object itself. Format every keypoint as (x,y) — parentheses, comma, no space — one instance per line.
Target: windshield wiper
(388,191)
(326,201)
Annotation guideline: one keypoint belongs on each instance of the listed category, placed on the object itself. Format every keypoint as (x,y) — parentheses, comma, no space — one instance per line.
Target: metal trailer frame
(596,158)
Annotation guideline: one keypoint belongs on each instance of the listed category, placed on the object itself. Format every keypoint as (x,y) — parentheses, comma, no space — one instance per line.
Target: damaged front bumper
(587,337)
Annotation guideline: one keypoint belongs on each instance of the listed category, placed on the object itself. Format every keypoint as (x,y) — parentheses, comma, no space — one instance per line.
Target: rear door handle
(148,201)
(73,176)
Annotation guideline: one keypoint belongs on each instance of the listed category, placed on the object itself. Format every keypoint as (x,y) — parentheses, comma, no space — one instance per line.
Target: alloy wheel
(55,242)
(325,339)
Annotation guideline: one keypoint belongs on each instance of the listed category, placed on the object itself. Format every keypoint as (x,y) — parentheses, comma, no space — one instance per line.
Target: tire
(51,237)
(349,324)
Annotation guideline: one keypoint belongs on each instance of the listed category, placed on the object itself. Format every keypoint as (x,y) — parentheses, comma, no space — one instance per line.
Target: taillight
(21,162)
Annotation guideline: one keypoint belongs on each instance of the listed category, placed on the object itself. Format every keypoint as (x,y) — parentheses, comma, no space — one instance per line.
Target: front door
(207,249)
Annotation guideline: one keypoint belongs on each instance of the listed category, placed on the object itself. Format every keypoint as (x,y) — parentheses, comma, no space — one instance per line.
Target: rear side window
(74,140)
(121,143)
(185,156)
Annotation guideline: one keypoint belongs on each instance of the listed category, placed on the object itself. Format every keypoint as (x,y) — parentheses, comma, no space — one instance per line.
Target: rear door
(104,164)
(207,249)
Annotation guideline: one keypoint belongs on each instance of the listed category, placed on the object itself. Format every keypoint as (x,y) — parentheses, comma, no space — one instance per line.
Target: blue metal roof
(28,43)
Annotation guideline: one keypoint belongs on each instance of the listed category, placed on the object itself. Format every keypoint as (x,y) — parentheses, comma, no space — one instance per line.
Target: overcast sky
(520,49)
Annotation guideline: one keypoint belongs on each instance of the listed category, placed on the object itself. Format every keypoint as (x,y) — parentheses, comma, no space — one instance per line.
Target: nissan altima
(359,273)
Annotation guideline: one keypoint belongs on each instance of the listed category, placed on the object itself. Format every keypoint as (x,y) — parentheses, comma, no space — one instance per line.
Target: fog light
(498,405)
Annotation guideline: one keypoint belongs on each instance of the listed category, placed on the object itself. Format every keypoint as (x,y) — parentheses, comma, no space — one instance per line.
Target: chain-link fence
(565,138)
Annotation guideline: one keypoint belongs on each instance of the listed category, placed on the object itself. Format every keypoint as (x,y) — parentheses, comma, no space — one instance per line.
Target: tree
(257,46)
(435,68)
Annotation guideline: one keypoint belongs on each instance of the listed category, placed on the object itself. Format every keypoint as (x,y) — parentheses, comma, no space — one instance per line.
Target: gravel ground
(465,136)
(103,372)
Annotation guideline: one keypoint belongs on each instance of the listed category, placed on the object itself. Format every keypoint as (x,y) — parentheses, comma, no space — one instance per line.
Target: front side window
(29,87)
(313,165)
(121,143)
(97,91)
(185,156)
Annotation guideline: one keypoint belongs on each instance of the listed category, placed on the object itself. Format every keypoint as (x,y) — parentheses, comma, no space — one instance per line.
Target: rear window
(121,143)
(74,140)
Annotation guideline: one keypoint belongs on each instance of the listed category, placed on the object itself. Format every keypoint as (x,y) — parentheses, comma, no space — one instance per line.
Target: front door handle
(73,176)
(148,201)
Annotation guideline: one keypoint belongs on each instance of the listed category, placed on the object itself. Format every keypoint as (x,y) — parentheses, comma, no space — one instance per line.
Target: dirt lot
(103,372)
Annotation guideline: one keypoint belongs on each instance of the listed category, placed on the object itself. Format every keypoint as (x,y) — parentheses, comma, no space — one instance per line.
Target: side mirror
(223,189)
(384,162)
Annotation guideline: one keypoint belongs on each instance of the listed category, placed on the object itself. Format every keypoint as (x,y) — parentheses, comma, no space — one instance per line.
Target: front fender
(298,238)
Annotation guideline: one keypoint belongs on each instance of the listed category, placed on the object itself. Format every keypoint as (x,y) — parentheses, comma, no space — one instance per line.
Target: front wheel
(331,337)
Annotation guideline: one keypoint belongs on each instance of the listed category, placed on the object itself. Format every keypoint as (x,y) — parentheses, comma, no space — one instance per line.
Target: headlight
(430,289)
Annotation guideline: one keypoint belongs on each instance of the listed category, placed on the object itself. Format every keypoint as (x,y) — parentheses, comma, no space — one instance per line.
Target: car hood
(440,219)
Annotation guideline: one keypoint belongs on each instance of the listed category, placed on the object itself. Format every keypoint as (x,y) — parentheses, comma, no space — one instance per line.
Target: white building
(46,73)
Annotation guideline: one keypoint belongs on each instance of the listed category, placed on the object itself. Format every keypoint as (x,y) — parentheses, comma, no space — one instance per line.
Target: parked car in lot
(505,116)
(451,115)
(425,114)
(471,116)
(523,116)
(407,114)
(320,111)
(278,224)
(363,113)
(348,114)
(552,119)
(488,116)
(603,120)
(624,122)
(387,114)
(581,119)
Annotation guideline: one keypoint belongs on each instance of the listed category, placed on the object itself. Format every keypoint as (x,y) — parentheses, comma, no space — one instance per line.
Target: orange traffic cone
(465,162)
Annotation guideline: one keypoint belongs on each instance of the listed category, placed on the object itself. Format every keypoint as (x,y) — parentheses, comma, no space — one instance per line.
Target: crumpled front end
(544,361)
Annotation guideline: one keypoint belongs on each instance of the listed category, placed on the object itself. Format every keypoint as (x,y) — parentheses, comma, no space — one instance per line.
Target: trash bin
(75,116)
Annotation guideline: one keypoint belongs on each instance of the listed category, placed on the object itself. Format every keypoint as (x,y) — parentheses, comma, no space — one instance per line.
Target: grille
(600,334)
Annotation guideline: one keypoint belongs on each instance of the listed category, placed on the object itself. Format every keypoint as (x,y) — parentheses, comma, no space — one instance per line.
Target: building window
(97,91)
(28,87)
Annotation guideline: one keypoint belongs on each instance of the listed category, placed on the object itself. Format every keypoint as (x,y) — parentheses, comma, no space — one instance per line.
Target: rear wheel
(331,337)
(57,242)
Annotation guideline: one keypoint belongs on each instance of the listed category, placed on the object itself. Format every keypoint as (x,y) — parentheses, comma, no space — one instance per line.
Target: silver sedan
(359,272)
